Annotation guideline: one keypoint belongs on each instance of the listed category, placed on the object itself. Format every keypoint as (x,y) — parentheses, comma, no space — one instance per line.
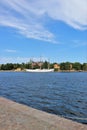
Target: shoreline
(16,116)
(53,71)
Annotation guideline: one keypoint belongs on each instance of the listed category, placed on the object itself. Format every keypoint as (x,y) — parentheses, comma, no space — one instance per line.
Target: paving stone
(14,116)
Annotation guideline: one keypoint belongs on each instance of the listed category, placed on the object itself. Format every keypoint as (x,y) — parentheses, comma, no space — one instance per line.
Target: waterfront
(63,94)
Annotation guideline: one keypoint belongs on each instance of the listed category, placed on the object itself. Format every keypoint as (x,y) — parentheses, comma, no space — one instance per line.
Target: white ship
(39,70)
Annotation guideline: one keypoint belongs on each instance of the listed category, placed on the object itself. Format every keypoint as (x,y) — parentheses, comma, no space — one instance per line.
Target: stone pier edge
(54,121)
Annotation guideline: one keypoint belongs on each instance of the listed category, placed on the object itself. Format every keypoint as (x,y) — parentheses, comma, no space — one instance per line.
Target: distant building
(56,66)
(18,69)
(38,64)
(0,66)
(70,66)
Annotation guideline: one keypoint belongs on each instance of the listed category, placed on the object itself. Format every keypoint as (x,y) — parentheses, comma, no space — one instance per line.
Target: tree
(67,66)
(28,65)
(8,66)
(2,67)
(84,66)
(62,66)
(45,65)
(77,66)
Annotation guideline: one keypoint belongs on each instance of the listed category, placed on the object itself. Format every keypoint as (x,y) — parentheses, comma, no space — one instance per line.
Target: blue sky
(55,30)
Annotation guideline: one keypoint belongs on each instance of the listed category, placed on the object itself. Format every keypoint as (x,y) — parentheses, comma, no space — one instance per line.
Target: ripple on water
(64,94)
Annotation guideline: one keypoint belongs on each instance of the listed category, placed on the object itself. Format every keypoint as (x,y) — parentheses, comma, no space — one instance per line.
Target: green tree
(67,66)
(77,66)
(45,65)
(62,66)
(2,67)
(28,65)
(8,66)
(84,66)
(51,65)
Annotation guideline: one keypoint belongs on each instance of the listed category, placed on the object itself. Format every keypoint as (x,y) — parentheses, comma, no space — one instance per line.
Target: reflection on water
(64,94)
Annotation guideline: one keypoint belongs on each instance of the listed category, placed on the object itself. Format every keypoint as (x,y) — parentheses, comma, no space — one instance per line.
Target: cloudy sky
(51,29)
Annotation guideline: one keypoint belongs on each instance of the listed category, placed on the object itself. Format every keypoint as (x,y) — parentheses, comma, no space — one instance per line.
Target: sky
(53,30)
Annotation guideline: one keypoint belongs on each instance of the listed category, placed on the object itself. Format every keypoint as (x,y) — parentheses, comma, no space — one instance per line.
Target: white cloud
(18,14)
(72,12)
(4,60)
(26,16)
(10,51)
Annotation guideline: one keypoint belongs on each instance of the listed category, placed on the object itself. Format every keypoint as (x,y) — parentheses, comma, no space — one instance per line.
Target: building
(18,69)
(56,67)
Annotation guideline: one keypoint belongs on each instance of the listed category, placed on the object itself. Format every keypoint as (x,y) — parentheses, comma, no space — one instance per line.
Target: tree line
(73,66)
(63,66)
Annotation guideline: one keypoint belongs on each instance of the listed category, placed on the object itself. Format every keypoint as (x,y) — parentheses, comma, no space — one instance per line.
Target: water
(64,94)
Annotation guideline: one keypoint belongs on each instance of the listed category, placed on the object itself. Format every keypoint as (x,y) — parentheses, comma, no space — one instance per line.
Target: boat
(39,70)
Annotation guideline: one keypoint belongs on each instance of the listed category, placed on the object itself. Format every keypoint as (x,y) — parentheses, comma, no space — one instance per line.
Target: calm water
(64,94)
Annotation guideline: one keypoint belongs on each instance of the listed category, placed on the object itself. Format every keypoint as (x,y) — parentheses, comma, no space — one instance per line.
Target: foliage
(84,66)
(63,66)
(77,66)
(45,65)
(8,66)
